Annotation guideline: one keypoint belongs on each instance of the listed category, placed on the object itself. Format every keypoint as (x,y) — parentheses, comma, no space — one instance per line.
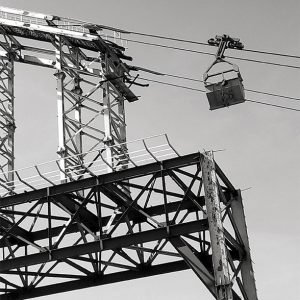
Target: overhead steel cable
(212,54)
(249,90)
(206,44)
(208,53)
(274,95)
(84,24)
(274,105)
(264,62)
(169,38)
(202,91)
(271,53)
(172,84)
(168,47)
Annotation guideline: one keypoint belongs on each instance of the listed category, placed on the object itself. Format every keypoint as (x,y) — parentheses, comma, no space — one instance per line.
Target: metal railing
(140,152)
(41,19)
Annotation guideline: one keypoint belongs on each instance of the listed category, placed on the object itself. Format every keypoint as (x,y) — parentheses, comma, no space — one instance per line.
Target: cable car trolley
(224,86)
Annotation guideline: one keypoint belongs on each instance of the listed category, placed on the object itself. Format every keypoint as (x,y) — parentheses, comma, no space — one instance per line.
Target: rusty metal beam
(219,252)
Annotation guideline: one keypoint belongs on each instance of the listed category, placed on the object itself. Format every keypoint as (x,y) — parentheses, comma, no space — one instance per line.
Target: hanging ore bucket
(223,88)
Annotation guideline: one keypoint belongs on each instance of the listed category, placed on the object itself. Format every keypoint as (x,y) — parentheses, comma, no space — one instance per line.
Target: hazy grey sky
(262,143)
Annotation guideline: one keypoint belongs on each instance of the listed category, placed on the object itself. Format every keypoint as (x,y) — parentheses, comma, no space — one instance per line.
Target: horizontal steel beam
(96,280)
(107,244)
(151,211)
(91,182)
(44,29)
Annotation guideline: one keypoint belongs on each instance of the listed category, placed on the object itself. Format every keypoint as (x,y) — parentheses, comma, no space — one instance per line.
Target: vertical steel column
(10,122)
(114,121)
(77,115)
(60,108)
(108,139)
(122,130)
(77,91)
(80,108)
(219,254)
(246,267)
(7,122)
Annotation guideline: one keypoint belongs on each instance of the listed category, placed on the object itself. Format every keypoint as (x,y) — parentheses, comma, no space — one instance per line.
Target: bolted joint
(10,124)
(108,140)
(61,151)
(77,89)
(60,75)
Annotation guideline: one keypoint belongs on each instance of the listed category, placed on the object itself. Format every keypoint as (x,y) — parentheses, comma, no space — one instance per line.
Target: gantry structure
(107,210)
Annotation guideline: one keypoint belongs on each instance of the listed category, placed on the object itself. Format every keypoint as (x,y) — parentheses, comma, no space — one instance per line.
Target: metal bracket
(223,42)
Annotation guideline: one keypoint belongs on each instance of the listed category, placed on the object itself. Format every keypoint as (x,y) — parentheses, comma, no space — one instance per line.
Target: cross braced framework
(91,87)
(90,108)
(7,119)
(63,241)
(91,228)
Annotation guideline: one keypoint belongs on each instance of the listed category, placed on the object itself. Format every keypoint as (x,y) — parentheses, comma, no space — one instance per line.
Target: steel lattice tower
(151,211)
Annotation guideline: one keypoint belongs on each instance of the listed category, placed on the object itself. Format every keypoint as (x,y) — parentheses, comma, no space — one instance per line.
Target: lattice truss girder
(91,87)
(90,108)
(7,121)
(63,241)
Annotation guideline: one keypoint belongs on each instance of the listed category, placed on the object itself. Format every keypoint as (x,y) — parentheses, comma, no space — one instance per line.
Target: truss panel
(62,240)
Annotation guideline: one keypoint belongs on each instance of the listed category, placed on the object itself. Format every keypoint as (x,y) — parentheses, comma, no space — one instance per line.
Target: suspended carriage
(224,88)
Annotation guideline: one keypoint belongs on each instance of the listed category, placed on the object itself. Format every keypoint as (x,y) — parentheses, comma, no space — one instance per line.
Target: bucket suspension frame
(228,91)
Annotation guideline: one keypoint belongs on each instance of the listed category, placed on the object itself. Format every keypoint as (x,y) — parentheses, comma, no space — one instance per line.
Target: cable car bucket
(224,88)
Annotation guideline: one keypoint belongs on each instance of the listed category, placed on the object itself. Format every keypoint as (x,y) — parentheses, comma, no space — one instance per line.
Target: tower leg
(246,267)
(7,124)
(108,140)
(84,99)
(60,109)
(114,122)
(219,252)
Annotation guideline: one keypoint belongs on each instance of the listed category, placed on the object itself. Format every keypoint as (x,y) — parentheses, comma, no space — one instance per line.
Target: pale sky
(262,143)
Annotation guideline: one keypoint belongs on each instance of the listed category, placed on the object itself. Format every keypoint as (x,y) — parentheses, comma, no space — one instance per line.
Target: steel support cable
(212,54)
(274,105)
(198,90)
(206,44)
(179,40)
(171,84)
(249,90)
